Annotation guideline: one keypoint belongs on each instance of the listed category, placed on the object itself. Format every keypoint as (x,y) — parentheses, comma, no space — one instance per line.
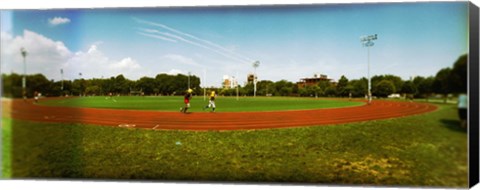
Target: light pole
(204,84)
(81,84)
(24,79)
(255,65)
(234,81)
(236,84)
(61,73)
(189,79)
(367,41)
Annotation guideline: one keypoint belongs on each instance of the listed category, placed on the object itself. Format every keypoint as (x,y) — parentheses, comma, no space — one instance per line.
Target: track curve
(379,109)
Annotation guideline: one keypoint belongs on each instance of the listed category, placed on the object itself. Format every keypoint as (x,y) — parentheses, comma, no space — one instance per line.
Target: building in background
(304,82)
(250,78)
(227,82)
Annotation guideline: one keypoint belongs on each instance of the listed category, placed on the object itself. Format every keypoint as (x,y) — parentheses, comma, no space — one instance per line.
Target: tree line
(162,84)
(446,81)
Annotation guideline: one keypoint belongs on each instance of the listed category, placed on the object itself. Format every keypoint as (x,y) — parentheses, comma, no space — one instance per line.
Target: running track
(25,110)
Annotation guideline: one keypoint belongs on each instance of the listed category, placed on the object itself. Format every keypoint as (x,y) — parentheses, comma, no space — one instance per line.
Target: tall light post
(61,74)
(81,84)
(234,82)
(255,65)
(204,84)
(24,79)
(189,79)
(367,41)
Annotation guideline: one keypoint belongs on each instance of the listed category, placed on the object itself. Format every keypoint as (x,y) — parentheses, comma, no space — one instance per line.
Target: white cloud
(58,21)
(44,55)
(126,63)
(94,64)
(174,72)
(47,57)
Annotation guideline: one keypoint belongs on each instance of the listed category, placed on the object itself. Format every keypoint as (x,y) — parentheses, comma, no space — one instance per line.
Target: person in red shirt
(186,100)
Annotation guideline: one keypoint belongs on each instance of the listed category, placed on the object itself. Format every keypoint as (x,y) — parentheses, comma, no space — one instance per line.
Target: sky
(290,42)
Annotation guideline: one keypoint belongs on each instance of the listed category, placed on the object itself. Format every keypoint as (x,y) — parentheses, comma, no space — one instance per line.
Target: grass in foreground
(6,147)
(224,104)
(423,150)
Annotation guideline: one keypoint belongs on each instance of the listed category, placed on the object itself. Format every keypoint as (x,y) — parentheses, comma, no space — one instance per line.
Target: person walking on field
(186,100)
(211,101)
(462,110)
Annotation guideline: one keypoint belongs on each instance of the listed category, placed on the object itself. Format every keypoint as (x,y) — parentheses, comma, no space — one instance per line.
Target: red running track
(379,109)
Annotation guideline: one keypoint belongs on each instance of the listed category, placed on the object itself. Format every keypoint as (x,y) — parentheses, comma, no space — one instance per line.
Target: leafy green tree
(323,85)
(417,81)
(396,81)
(39,83)
(309,91)
(303,91)
(423,86)
(442,82)
(359,87)
(342,86)
(265,87)
(248,89)
(458,75)
(12,85)
(330,91)
(383,88)
(147,85)
(93,90)
(408,88)
(283,88)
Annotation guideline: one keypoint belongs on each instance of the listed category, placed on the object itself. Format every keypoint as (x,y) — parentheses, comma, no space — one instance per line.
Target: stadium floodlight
(255,65)
(24,79)
(367,41)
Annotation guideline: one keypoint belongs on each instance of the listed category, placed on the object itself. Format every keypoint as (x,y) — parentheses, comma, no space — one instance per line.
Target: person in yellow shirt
(211,101)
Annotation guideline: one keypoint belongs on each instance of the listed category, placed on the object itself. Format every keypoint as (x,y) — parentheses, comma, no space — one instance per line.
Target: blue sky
(291,42)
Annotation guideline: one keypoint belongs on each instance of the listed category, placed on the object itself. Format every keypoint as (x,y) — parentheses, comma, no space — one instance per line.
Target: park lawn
(422,150)
(6,147)
(223,104)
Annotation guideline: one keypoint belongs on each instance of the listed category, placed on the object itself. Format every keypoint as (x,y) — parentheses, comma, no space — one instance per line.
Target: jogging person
(211,102)
(186,100)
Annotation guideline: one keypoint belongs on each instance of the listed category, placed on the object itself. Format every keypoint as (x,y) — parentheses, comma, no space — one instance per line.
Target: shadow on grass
(453,125)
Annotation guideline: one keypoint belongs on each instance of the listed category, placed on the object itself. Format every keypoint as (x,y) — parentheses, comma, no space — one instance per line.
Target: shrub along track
(378,109)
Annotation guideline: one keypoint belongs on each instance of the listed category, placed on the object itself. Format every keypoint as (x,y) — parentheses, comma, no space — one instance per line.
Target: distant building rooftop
(304,82)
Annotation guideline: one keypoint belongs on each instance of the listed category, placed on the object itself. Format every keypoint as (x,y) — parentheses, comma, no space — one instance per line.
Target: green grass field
(223,104)
(423,150)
